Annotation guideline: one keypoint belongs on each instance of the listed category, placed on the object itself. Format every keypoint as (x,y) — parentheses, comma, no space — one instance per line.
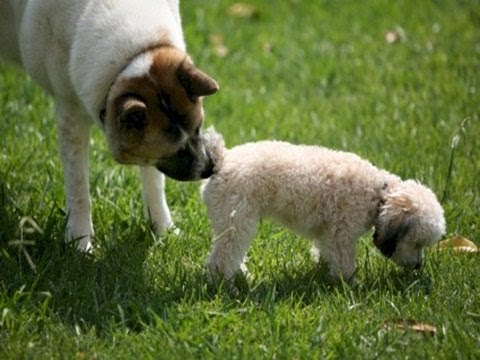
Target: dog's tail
(216,147)
(411,210)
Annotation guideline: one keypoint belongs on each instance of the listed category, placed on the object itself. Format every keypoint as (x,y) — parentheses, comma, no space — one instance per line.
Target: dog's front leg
(74,135)
(339,250)
(153,194)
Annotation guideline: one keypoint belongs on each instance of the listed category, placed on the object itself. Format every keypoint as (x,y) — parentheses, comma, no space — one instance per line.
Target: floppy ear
(195,82)
(131,113)
(387,236)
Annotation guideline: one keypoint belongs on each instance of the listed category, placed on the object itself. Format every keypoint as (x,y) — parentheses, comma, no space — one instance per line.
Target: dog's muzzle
(190,163)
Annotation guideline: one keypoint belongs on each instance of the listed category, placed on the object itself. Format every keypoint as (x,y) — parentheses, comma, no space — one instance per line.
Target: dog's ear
(387,237)
(132,113)
(195,82)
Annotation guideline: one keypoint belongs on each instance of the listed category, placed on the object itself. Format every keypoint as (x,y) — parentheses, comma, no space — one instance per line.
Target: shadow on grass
(38,269)
(309,286)
(114,287)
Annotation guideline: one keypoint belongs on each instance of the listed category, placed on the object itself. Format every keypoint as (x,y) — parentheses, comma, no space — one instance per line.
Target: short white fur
(75,50)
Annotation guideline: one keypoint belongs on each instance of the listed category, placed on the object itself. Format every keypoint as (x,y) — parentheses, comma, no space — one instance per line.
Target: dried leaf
(411,325)
(215,39)
(267,47)
(459,244)
(219,47)
(221,50)
(243,10)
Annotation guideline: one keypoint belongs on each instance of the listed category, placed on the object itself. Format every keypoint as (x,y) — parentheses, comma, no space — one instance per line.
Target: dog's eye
(164,104)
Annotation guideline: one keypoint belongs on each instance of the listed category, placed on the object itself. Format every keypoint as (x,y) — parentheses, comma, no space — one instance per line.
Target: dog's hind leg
(153,194)
(233,230)
(74,136)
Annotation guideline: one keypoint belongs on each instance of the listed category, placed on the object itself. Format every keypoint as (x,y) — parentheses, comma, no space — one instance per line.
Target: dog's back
(329,196)
(300,186)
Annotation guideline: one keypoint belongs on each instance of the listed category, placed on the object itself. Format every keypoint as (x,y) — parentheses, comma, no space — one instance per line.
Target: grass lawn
(316,72)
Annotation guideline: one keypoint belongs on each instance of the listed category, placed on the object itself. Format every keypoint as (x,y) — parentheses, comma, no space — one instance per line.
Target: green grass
(316,72)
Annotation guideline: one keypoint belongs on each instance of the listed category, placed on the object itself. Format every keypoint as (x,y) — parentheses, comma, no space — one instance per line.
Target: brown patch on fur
(401,202)
(172,115)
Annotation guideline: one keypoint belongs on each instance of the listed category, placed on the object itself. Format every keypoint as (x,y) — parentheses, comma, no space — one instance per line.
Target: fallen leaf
(215,39)
(221,50)
(219,47)
(243,10)
(411,325)
(267,47)
(459,244)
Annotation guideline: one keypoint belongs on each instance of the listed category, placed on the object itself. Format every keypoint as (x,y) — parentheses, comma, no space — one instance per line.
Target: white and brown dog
(331,197)
(121,64)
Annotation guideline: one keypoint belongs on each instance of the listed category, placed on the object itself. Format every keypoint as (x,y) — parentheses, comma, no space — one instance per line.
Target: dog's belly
(311,228)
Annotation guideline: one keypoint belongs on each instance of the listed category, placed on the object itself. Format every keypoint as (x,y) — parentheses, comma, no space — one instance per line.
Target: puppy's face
(410,220)
(154,114)
(401,246)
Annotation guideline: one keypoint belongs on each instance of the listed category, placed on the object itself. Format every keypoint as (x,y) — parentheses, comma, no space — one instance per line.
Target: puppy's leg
(233,230)
(339,252)
(315,252)
(74,135)
(153,194)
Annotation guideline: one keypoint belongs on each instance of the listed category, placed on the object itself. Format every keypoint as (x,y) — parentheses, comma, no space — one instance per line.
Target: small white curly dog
(331,197)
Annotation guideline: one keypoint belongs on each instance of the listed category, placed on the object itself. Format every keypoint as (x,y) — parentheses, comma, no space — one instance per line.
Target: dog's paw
(233,286)
(162,228)
(216,273)
(339,279)
(83,244)
(172,229)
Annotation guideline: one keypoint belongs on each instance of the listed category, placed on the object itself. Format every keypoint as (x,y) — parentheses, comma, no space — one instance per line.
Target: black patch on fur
(388,243)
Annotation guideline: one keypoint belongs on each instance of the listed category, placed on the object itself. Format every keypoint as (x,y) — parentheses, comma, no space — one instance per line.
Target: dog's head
(154,113)
(409,220)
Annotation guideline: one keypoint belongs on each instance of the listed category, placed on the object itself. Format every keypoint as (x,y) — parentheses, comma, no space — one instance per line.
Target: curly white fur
(331,197)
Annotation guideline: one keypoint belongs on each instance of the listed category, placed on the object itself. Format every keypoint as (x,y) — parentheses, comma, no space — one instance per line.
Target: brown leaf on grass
(267,47)
(219,48)
(458,244)
(410,325)
(243,10)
